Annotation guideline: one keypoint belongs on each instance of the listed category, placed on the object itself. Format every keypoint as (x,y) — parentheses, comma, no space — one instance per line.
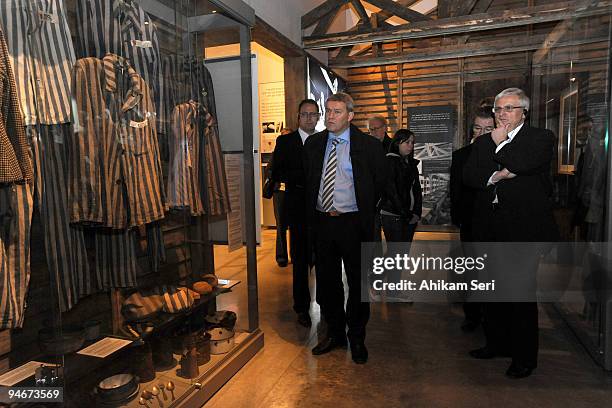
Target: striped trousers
(64,242)
(15,221)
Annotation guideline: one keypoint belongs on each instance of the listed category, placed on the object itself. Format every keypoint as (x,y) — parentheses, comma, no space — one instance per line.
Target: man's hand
(500,133)
(503,174)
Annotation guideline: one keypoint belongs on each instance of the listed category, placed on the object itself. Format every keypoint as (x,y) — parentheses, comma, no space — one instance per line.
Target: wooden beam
(482,6)
(361,12)
(321,11)
(467,7)
(324,24)
(400,11)
(383,15)
(450,52)
(463,24)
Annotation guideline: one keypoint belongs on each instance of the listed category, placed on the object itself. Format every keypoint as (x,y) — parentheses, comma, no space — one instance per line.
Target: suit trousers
(15,221)
(298,234)
(337,241)
(281,226)
(397,229)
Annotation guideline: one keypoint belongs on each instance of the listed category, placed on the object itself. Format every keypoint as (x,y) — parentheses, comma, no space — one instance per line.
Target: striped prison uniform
(15,199)
(65,247)
(123,28)
(42,54)
(146,303)
(187,79)
(15,220)
(115,171)
(183,190)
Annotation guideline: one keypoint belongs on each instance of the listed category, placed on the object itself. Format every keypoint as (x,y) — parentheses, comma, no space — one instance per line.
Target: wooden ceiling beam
(322,10)
(462,24)
(458,51)
(399,10)
(361,12)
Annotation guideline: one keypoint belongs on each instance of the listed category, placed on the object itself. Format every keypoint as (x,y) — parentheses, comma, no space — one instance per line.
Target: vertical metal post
(249,174)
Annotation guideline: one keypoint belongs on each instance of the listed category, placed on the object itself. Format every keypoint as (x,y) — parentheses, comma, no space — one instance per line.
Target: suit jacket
(288,168)
(461,195)
(524,209)
(369,174)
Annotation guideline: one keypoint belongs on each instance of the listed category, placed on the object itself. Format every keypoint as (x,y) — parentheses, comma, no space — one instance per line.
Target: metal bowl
(66,340)
(117,387)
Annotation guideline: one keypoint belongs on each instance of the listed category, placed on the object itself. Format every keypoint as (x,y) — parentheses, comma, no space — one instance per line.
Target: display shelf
(246,345)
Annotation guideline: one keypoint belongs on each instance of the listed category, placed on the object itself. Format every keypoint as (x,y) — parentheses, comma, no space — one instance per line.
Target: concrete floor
(418,357)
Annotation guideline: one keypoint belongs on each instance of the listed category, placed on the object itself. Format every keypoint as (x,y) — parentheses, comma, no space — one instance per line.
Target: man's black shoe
(518,371)
(282,263)
(303,319)
(483,353)
(359,352)
(469,326)
(328,344)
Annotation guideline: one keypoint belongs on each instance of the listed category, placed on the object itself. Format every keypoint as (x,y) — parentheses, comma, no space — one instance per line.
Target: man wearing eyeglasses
(510,171)
(288,169)
(377,126)
(462,203)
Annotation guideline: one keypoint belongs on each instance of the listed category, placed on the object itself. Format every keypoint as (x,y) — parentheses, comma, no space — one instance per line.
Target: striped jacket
(187,79)
(15,161)
(42,55)
(115,170)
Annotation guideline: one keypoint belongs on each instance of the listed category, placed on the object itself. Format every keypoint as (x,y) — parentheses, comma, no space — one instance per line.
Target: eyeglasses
(376,128)
(507,108)
(309,114)
(486,129)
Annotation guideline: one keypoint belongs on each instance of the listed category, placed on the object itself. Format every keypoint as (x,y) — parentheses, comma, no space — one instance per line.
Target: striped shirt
(183,190)
(123,28)
(15,160)
(42,56)
(187,79)
(115,172)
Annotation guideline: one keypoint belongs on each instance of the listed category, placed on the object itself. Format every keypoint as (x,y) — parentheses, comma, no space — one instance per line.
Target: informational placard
(233,165)
(434,128)
(271,113)
(104,348)
(20,373)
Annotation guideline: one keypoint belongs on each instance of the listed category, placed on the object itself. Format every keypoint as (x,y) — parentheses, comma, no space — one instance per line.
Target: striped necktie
(330,178)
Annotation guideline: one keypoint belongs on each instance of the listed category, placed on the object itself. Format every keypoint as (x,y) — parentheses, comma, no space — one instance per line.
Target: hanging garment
(15,220)
(183,189)
(187,79)
(115,174)
(116,258)
(65,248)
(121,27)
(15,162)
(42,56)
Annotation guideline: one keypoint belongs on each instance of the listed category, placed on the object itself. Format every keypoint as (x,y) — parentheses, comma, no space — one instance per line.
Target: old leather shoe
(328,344)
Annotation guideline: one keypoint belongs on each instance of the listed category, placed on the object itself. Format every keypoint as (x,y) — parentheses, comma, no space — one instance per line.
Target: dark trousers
(281,226)
(397,229)
(338,240)
(512,328)
(298,234)
(472,310)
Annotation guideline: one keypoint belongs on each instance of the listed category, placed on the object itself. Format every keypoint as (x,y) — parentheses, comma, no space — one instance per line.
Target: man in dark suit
(462,203)
(345,173)
(509,169)
(288,169)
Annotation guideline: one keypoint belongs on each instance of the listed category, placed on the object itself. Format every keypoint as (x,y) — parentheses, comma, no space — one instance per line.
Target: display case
(119,287)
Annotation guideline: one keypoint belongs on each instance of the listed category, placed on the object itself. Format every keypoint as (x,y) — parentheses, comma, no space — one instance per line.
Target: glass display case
(121,289)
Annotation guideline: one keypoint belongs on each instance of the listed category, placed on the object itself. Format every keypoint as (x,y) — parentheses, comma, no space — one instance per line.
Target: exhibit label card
(104,347)
(20,373)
